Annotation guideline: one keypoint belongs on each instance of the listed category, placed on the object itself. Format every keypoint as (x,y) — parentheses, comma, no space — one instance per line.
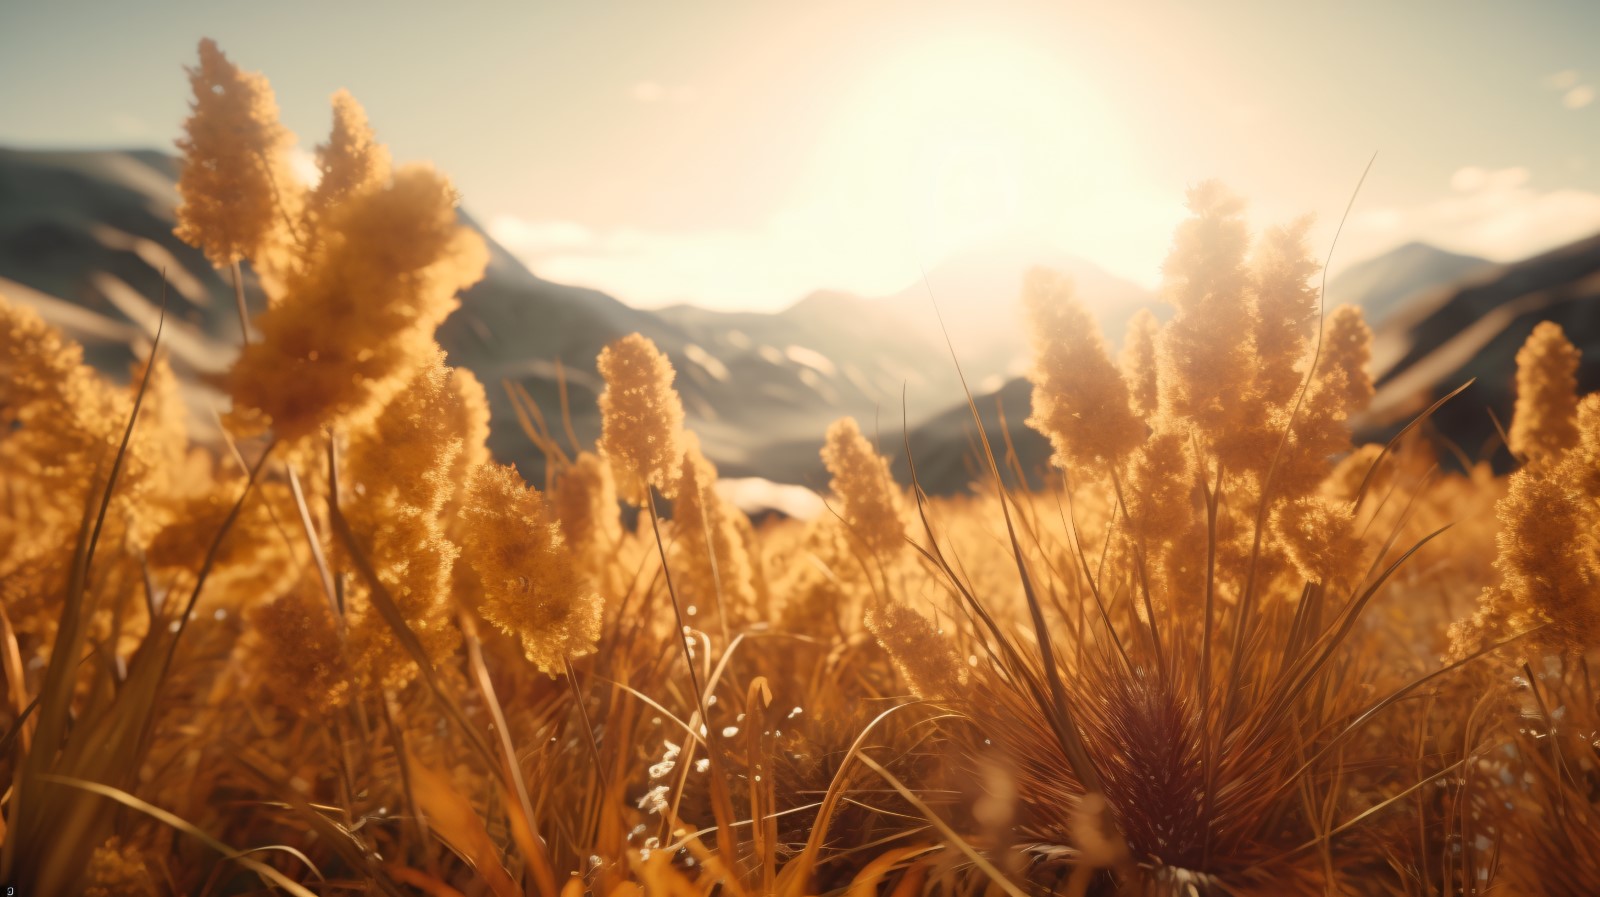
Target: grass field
(1224,652)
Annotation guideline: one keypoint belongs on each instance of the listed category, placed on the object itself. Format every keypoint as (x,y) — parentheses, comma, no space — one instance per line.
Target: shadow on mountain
(86,237)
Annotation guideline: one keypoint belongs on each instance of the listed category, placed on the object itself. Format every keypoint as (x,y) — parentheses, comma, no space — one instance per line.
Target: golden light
(968,140)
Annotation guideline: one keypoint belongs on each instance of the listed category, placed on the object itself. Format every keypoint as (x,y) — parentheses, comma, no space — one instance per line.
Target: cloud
(1562,80)
(767,267)
(1493,213)
(538,239)
(1499,214)
(1575,94)
(801,250)
(129,126)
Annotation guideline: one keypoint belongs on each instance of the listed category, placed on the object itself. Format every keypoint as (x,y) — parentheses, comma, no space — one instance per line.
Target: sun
(965,139)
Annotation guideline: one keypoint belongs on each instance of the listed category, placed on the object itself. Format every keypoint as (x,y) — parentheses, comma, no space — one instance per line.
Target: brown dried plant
(344,649)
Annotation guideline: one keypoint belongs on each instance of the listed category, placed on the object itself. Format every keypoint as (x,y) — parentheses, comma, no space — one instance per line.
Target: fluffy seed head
(1545,423)
(1319,536)
(357,322)
(238,191)
(867,497)
(531,590)
(295,640)
(1208,360)
(1346,353)
(1079,398)
(1548,558)
(713,559)
(924,656)
(352,161)
(585,503)
(1286,309)
(641,417)
(1140,364)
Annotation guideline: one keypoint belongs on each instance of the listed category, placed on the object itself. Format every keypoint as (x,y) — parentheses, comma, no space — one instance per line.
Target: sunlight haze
(741,157)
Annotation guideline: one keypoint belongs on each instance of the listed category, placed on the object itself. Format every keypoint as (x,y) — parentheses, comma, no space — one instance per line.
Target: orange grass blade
(266,872)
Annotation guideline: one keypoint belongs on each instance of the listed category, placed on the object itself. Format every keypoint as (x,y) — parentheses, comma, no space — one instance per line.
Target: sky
(741,155)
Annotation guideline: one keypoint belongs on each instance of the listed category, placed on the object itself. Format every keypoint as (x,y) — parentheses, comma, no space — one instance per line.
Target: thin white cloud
(537,239)
(764,268)
(1562,80)
(1493,213)
(799,252)
(129,126)
(1575,94)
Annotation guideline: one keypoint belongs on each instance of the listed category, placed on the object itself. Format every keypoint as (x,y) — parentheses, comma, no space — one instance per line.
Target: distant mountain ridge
(86,235)
(1440,319)
(1472,331)
(1395,280)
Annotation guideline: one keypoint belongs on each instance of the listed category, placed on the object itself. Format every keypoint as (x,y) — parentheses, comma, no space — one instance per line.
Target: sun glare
(965,141)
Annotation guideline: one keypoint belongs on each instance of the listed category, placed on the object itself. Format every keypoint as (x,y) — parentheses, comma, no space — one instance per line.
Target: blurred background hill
(86,237)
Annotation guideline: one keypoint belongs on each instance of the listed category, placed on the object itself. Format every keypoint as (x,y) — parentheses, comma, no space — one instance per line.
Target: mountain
(86,237)
(1473,330)
(1441,320)
(1399,278)
(977,297)
(885,360)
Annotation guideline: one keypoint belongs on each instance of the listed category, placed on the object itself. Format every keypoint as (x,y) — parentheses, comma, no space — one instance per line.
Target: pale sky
(740,155)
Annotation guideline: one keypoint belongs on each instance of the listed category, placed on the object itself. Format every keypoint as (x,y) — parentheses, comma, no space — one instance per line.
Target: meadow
(1225,650)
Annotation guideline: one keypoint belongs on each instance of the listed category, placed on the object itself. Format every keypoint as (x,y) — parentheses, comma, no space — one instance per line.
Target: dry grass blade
(25,822)
(1066,729)
(722,801)
(1388,447)
(454,819)
(1214,670)
(267,873)
(323,572)
(796,876)
(504,764)
(522,820)
(1000,879)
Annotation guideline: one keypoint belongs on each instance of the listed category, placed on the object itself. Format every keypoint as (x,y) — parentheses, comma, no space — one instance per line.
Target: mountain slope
(1431,337)
(86,237)
(1397,279)
(1473,330)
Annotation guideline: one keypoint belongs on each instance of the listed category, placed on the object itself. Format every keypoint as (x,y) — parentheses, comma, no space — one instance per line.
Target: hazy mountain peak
(1387,282)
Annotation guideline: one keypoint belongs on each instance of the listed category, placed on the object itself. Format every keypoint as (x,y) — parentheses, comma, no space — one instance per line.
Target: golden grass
(1215,655)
